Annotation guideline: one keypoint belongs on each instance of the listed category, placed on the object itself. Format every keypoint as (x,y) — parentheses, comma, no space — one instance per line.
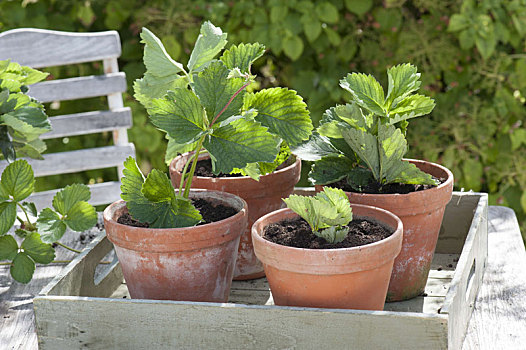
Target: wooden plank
(457,221)
(499,318)
(46,48)
(16,306)
(460,298)
(101,193)
(80,160)
(88,123)
(226,326)
(79,87)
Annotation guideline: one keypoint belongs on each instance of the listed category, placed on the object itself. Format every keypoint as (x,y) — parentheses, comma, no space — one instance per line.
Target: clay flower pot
(262,197)
(421,213)
(349,278)
(192,263)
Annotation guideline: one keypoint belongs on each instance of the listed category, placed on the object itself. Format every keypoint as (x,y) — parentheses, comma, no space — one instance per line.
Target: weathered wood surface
(88,123)
(17,330)
(499,318)
(46,48)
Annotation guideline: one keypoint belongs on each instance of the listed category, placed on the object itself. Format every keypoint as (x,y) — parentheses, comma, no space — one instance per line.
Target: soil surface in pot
(374,188)
(204,168)
(209,212)
(297,233)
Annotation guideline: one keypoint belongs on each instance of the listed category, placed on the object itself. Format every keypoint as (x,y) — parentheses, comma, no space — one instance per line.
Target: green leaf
(293,47)
(328,208)
(22,268)
(151,87)
(359,177)
(165,209)
(179,114)
(359,7)
(458,22)
(81,217)
(215,91)
(40,252)
(338,200)
(466,39)
(411,107)
(66,198)
(242,56)
(173,149)
(315,148)
(335,119)
(50,226)
(156,59)
(330,169)
(366,147)
(407,173)
(210,42)
(7,216)
(366,91)
(6,146)
(8,247)
(283,112)
(30,208)
(403,80)
(312,29)
(327,12)
(18,180)
(247,140)
(334,234)
(256,170)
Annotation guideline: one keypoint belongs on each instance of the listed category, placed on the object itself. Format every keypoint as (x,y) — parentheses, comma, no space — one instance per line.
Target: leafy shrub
(471,55)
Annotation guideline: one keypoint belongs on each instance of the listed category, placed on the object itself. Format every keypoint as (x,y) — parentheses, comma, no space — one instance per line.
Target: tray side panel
(460,299)
(145,324)
(458,216)
(79,279)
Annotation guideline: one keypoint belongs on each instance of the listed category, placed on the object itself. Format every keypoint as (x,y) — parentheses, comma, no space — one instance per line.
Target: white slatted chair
(39,48)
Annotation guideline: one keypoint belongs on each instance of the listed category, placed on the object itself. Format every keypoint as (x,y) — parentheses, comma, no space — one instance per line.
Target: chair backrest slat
(88,123)
(77,88)
(47,48)
(40,48)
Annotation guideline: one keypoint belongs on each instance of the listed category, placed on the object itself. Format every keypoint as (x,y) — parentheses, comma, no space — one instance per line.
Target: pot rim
(230,179)
(394,236)
(112,208)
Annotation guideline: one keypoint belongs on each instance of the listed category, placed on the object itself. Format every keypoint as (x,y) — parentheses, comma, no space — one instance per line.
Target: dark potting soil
(204,168)
(374,187)
(297,233)
(209,212)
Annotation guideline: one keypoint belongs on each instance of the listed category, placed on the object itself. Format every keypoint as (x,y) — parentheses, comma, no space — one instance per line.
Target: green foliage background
(472,56)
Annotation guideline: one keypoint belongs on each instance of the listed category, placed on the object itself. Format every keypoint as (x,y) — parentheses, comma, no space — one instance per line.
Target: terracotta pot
(345,278)
(192,263)
(422,213)
(262,197)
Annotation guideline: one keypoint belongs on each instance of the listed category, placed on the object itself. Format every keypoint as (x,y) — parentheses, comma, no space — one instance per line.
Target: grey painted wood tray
(87,305)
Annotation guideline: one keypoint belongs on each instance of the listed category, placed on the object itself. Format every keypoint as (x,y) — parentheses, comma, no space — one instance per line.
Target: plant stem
(20,219)
(68,248)
(25,212)
(183,176)
(5,263)
(229,102)
(192,169)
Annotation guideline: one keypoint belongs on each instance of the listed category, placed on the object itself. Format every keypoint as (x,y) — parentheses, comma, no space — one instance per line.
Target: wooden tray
(88,305)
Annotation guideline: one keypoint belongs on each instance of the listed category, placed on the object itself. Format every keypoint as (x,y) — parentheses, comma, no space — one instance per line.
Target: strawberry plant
(22,121)
(205,106)
(327,213)
(363,142)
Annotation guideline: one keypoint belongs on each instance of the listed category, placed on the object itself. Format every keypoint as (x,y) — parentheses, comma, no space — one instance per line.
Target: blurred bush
(471,55)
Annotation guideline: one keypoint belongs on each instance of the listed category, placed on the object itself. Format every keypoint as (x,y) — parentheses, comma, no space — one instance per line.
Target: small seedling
(327,213)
